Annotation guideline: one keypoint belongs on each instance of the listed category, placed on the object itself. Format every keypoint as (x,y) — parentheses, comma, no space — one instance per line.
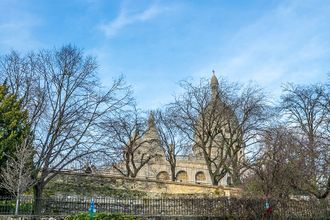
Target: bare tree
(269,174)
(66,105)
(172,139)
(133,141)
(23,78)
(221,123)
(252,114)
(199,118)
(16,176)
(306,110)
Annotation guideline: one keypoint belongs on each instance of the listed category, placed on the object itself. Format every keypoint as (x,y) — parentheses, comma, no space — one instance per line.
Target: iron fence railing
(7,205)
(240,208)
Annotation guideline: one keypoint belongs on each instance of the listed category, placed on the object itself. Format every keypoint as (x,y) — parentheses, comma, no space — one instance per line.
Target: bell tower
(214,86)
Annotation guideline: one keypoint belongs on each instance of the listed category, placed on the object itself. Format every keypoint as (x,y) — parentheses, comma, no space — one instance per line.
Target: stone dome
(216,116)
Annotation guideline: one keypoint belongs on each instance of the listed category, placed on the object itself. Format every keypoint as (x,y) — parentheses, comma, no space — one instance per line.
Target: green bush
(81,216)
(8,206)
(101,216)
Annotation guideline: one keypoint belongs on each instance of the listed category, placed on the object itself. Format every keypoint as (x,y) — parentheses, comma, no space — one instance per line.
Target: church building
(189,168)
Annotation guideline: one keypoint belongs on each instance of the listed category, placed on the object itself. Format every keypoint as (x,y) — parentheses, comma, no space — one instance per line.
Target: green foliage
(101,216)
(88,186)
(9,206)
(13,123)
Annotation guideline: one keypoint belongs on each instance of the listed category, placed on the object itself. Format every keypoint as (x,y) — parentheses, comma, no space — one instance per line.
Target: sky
(156,43)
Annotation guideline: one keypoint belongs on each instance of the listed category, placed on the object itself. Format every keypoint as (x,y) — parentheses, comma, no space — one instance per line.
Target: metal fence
(225,207)
(7,205)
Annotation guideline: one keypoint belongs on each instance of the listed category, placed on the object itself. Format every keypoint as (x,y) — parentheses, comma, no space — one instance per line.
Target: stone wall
(148,186)
(190,166)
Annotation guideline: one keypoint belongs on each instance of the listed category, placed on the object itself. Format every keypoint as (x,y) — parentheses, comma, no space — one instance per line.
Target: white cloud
(124,19)
(17,35)
(286,44)
(17,28)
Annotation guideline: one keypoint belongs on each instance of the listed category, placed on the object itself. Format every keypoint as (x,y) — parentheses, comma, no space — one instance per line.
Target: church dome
(215,119)
(152,138)
(214,81)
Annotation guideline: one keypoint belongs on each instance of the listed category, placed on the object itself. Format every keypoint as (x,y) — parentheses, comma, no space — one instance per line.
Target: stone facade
(190,168)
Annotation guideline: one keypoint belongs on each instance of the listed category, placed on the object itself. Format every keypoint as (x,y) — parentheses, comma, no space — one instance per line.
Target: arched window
(163,175)
(182,176)
(200,177)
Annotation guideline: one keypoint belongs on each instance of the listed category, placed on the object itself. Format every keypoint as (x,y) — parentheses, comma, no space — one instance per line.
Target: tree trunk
(213,176)
(37,193)
(17,204)
(236,179)
(215,181)
(173,172)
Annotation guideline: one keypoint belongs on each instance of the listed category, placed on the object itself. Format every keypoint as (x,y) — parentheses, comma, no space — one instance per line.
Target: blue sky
(155,44)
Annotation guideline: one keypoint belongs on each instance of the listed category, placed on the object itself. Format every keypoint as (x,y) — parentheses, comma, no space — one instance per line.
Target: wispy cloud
(125,18)
(283,45)
(17,27)
(17,35)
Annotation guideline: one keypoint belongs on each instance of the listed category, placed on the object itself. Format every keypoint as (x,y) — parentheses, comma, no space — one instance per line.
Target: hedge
(101,216)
